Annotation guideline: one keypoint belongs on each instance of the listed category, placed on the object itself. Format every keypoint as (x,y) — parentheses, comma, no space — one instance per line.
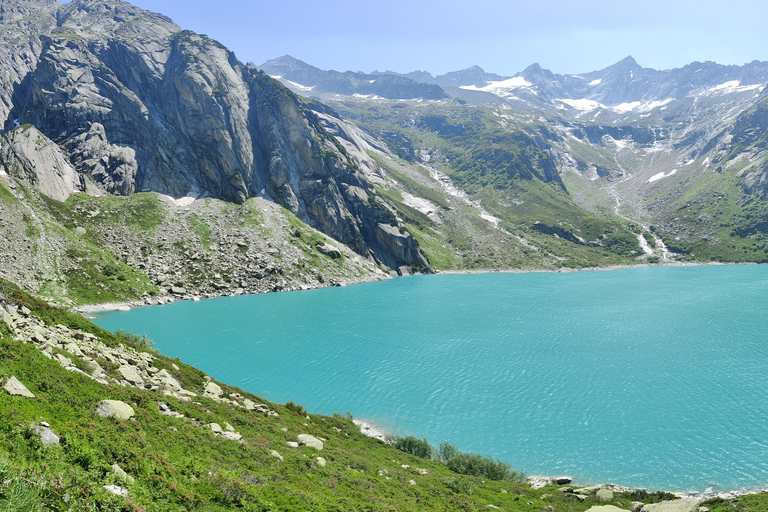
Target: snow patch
(3,173)
(596,82)
(661,175)
(490,218)
(503,88)
(641,107)
(299,86)
(584,105)
(733,86)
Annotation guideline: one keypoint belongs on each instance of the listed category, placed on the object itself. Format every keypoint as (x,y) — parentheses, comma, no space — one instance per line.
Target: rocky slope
(122,101)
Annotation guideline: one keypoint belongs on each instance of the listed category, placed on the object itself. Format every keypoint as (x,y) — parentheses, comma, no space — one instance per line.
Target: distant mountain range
(619,85)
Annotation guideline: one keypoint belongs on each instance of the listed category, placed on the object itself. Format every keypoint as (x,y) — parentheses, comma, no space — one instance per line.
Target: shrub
(297,408)
(477,465)
(652,497)
(459,485)
(418,447)
(448,451)
(140,340)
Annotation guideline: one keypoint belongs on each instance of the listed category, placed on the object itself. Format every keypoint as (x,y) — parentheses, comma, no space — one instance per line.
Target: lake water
(648,377)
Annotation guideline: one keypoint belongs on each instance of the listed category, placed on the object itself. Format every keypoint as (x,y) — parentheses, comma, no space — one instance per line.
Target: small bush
(651,497)
(459,485)
(140,340)
(477,465)
(418,447)
(448,451)
(297,408)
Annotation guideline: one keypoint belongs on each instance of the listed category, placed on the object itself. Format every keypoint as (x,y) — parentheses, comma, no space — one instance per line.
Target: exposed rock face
(136,104)
(30,155)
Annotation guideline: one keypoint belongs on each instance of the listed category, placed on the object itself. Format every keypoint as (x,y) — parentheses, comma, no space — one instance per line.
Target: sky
(501,36)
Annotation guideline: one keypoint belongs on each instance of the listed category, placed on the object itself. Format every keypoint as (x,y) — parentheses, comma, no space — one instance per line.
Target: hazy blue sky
(502,36)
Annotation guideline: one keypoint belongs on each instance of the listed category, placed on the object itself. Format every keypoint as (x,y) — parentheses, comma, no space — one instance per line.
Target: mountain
(302,77)
(674,157)
(103,97)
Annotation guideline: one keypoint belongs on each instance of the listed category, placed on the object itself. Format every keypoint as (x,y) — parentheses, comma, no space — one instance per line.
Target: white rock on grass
(121,474)
(276,455)
(116,489)
(310,441)
(213,389)
(684,505)
(47,437)
(115,409)
(16,388)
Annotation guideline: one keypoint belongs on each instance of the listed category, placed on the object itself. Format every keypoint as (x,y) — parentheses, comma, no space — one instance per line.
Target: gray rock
(233,436)
(311,441)
(213,389)
(292,444)
(566,489)
(64,361)
(605,508)
(637,506)
(178,290)
(276,455)
(47,437)
(16,388)
(80,230)
(321,462)
(167,380)
(122,475)
(229,427)
(329,251)
(685,505)
(215,427)
(116,489)
(537,482)
(131,374)
(562,480)
(115,409)
(604,495)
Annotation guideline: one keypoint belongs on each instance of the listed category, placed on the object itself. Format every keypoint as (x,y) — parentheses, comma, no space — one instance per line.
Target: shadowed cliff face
(136,104)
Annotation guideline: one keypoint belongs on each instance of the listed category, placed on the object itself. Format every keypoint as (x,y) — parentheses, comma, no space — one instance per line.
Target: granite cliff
(103,97)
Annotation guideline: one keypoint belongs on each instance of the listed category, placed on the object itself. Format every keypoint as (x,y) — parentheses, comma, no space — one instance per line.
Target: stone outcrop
(114,99)
(16,388)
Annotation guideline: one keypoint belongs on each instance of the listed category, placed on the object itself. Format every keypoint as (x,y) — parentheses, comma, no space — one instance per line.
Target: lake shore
(89,310)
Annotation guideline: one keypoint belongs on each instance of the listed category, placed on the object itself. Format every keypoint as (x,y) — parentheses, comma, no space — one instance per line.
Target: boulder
(16,388)
(604,495)
(321,462)
(232,436)
(116,489)
(292,444)
(605,508)
(276,455)
(311,441)
(563,480)
(213,389)
(215,427)
(229,427)
(115,409)
(329,251)
(47,437)
(167,380)
(122,475)
(131,374)
(685,505)
(537,482)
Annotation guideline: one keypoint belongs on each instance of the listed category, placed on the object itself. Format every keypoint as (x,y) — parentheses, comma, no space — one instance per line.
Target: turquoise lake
(651,377)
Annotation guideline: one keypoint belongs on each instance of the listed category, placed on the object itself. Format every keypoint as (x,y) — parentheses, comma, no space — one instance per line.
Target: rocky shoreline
(538,481)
